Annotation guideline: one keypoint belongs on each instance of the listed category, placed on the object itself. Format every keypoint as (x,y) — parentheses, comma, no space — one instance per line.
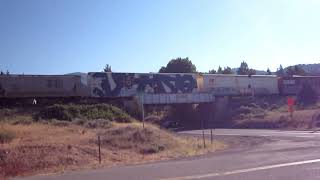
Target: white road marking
(242,170)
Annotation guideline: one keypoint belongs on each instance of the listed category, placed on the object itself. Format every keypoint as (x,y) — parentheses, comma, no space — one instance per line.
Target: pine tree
(269,72)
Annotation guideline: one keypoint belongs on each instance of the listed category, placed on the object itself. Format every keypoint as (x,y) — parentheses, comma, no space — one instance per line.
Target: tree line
(185,65)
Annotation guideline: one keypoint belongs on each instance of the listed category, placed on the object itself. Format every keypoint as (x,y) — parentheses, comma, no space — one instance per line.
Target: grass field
(42,148)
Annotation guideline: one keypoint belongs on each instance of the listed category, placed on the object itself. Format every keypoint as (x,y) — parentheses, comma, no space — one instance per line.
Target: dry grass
(302,120)
(46,148)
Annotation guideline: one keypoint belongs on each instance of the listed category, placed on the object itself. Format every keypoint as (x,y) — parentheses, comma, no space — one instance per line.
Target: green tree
(219,70)
(107,68)
(179,65)
(280,71)
(269,72)
(227,70)
(244,69)
(212,71)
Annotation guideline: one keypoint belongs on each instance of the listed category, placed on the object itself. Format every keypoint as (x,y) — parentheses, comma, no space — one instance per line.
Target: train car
(226,85)
(131,84)
(293,85)
(32,86)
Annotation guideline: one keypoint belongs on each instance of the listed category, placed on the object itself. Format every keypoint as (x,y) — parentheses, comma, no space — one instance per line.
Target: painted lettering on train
(128,84)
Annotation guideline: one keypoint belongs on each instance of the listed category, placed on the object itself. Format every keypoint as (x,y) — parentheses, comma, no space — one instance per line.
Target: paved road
(273,155)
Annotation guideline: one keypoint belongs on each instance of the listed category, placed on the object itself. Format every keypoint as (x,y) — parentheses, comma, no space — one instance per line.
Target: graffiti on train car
(112,84)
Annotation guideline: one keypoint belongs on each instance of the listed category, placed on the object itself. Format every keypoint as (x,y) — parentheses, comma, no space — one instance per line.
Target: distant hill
(259,72)
(310,69)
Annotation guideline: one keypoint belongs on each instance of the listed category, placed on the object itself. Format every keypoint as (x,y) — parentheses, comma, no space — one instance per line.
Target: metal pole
(99,144)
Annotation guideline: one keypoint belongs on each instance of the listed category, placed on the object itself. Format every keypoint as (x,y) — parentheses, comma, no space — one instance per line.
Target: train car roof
(203,74)
(36,75)
(296,76)
(136,73)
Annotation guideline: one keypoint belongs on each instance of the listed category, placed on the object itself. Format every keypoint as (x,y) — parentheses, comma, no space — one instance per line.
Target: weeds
(6,136)
(144,141)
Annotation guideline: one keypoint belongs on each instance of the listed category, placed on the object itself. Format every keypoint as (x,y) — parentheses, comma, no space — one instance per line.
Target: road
(253,154)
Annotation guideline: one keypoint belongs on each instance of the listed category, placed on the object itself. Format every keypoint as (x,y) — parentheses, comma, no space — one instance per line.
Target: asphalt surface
(253,155)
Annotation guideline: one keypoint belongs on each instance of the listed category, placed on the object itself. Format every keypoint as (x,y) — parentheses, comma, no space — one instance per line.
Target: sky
(65,36)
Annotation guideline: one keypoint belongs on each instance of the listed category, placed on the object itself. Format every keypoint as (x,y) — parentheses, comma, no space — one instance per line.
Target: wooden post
(142,109)
(99,144)
(210,119)
(203,138)
(211,136)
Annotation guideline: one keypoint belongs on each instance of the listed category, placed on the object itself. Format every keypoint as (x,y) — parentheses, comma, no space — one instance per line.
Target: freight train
(120,85)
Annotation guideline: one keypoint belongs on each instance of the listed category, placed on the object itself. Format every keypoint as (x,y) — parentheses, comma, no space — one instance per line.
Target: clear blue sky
(62,36)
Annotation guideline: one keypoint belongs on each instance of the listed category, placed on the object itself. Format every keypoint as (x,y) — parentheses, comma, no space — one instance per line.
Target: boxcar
(223,85)
(24,86)
(292,85)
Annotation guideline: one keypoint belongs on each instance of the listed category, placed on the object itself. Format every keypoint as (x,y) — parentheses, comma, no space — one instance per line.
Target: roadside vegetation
(65,137)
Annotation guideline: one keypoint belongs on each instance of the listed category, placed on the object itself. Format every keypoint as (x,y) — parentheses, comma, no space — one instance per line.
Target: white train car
(225,85)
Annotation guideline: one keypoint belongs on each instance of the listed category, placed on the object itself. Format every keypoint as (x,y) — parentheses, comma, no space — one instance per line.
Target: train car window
(60,84)
(56,83)
(49,83)
(289,82)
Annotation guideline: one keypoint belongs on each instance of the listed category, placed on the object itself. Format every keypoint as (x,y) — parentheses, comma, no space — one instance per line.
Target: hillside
(65,137)
(310,69)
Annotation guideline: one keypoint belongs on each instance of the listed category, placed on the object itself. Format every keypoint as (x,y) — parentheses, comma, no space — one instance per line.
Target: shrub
(7,112)
(273,107)
(244,110)
(153,119)
(6,136)
(60,112)
(72,111)
(98,123)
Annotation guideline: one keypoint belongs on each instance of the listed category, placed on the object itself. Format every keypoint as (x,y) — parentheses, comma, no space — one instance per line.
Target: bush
(70,112)
(60,112)
(98,123)
(307,95)
(244,110)
(6,136)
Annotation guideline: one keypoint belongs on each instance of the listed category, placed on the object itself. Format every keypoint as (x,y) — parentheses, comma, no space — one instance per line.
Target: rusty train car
(293,85)
(119,85)
(42,86)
